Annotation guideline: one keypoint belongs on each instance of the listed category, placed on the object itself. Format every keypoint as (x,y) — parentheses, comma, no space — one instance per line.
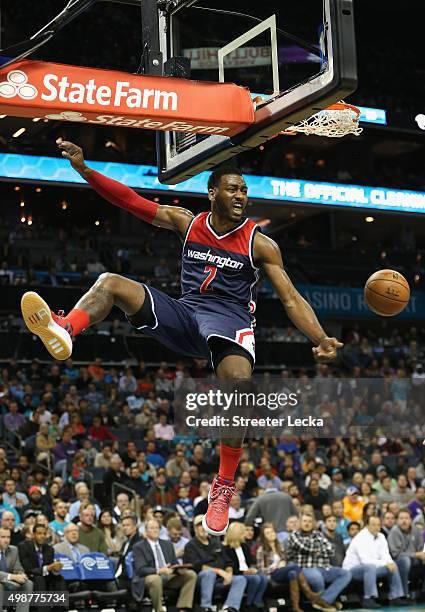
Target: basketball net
(337,121)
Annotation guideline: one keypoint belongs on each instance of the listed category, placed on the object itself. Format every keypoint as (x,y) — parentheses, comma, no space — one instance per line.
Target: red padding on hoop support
(108,97)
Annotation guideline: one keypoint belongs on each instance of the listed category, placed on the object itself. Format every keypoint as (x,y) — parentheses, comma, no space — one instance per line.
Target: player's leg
(57,332)
(230,367)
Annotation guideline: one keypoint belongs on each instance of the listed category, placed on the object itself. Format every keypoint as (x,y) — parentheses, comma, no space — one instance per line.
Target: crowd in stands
(90,463)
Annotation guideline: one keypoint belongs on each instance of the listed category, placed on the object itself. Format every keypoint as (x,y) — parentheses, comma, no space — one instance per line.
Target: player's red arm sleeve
(122,196)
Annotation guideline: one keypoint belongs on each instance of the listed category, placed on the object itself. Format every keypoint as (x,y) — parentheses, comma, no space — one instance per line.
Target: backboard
(296,58)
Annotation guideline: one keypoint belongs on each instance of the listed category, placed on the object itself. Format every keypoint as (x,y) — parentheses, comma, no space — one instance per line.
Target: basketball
(387,293)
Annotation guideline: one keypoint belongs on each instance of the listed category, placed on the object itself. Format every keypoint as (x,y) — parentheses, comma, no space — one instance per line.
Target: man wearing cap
(338,487)
(353,504)
(154,561)
(37,503)
(213,568)
(368,558)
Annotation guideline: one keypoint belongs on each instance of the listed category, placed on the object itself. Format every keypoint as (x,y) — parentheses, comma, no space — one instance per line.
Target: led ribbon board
(108,97)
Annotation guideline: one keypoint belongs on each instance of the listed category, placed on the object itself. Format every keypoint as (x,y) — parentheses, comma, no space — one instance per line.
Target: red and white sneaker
(41,321)
(216,520)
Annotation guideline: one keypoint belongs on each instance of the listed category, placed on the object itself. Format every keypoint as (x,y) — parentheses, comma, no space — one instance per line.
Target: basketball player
(223,253)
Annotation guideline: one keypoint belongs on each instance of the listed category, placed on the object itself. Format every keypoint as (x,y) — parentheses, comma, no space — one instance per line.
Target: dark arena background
(99,427)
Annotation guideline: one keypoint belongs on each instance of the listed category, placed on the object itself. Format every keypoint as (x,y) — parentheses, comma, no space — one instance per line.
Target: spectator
(309,549)
(242,563)
(269,479)
(12,574)
(59,523)
(96,370)
(272,507)
(184,505)
(271,561)
(12,497)
(177,464)
(406,547)
(330,533)
(154,568)
(115,474)
(9,522)
(90,535)
(13,421)
(388,523)
(315,496)
(161,492)
(83,497)
(163,430)
(64,453)
(368,558)
(127,383)
(236,512)
(417,505)
(402,494)
(176,537)
(97,431)
(122,502)
(385,494)
(213,569)
(70,545)
(130,538)
(338,488)
(353,504)
(113,536)
(37,558)
(103,458)
(341,522)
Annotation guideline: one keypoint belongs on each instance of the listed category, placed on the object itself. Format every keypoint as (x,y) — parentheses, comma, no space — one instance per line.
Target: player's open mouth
(238,208)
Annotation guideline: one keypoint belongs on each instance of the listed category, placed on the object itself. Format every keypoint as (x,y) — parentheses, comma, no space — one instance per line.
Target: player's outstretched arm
(168,217)
(267,255)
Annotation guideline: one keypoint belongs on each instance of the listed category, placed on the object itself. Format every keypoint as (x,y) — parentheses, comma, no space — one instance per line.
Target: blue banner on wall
(349,302)
(57,170)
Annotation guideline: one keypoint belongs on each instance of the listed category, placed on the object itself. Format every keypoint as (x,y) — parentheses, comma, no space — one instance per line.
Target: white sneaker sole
(39,320)
(208,529)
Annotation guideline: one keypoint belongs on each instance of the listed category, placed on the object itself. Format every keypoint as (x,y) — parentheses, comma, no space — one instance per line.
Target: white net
(333,123)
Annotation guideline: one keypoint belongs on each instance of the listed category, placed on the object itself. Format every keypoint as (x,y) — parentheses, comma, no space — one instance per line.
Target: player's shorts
(206,327)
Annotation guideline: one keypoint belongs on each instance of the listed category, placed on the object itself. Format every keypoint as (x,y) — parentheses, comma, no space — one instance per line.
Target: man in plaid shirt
(309,549)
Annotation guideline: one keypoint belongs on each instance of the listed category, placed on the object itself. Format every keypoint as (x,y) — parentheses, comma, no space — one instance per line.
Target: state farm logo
(17,85)
(67,116)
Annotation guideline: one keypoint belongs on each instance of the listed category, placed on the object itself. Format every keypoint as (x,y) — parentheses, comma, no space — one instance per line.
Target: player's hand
(326,350)
(73,153)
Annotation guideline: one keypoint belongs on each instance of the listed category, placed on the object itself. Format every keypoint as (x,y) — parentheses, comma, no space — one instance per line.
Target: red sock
(77,318)
(229,459)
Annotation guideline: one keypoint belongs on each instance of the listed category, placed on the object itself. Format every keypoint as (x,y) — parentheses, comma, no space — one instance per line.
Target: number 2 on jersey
(211,271)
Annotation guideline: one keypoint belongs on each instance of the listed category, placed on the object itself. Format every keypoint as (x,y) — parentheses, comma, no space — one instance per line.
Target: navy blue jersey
(220,266)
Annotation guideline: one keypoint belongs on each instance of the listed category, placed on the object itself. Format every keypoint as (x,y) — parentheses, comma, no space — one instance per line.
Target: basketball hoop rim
(344,106)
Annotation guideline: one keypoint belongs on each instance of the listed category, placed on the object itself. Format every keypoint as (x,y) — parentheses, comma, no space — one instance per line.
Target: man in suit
(72,549)
(12,575)
(70,546)
(153,561)
(37,559)
(131,532)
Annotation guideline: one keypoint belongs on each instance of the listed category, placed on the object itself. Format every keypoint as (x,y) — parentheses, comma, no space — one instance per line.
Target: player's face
(231,197)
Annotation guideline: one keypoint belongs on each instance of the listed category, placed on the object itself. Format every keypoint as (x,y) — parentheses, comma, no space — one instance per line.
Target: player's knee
(108,282)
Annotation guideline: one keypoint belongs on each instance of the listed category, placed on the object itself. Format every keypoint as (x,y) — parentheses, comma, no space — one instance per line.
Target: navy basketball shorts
(204,326)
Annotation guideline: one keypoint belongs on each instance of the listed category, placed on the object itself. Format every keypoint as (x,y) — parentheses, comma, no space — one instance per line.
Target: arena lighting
(38,190)
(29,220)
(16,188)
(369,219)
(64,205)
(19,132)
(3,116)
(97,222)
(22,203)
(22,219)
(36,119)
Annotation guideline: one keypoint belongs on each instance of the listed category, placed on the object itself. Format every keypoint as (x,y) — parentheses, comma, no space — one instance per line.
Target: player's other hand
(327,350)
(73,153)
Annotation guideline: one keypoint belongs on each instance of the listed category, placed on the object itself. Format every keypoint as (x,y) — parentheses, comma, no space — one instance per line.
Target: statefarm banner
(109,97)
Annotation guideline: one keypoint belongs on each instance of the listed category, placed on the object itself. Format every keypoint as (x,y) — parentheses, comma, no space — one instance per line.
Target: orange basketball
(387,292)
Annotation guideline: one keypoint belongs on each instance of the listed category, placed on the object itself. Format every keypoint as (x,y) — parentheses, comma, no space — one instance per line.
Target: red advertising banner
(108,97)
